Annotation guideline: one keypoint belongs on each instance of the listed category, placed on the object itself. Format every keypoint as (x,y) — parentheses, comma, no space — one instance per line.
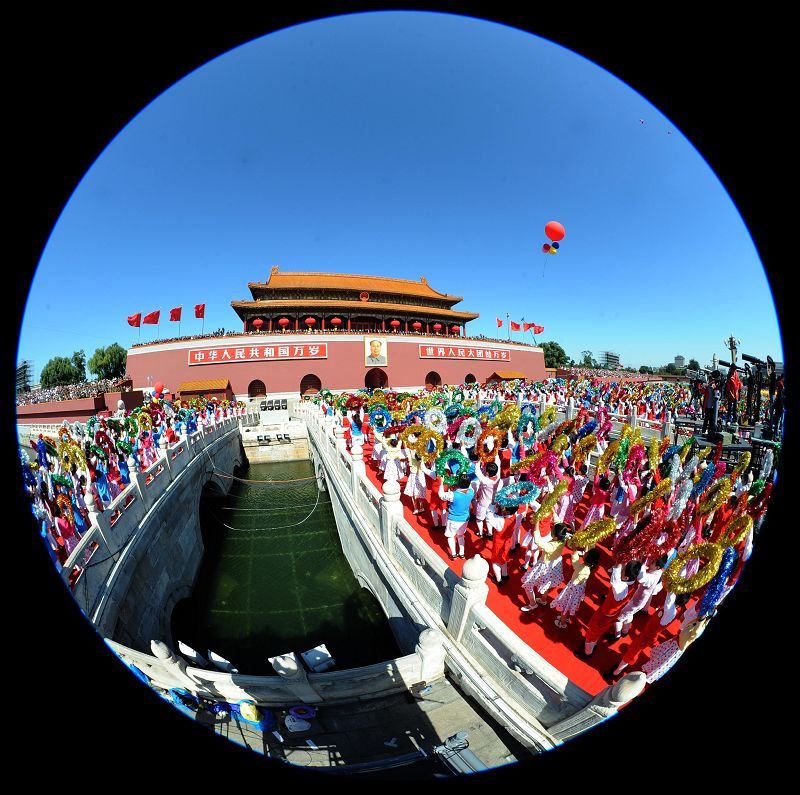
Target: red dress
(505,463)
(501,541)
(435,503)
(606,614)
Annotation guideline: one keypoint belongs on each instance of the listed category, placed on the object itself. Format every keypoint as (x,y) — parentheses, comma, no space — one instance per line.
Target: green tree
(109,362)
(60,370)
(644,369)
(670,368)
(693,364)
(554,355)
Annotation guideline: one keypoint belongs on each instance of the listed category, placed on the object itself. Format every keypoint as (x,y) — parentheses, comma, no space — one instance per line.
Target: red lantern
(455,329)
(437,326)
(310,321)
(416,325)
(336,321)
(283,322)
(258,323)
(554,230)
(395,324)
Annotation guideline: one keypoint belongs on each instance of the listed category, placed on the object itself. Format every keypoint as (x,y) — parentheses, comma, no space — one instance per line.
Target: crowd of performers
(666,528)
(92,463)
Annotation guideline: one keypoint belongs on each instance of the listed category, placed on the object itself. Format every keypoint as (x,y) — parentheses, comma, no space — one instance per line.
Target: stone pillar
(602,706)
(138,479)
(542,404)
(290,669)
(175,667)
(571,408)
(341,444)
(98,519)
(358,468)
(471,590)
(431,653)
(667,429)
(390,506)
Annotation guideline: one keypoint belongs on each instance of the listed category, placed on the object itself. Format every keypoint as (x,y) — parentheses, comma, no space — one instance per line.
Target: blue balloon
(555,245)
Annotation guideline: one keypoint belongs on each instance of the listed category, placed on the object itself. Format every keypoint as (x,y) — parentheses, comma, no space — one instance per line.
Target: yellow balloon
(553,250)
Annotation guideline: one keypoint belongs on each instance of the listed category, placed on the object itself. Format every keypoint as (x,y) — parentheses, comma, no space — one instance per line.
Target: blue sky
(408,144)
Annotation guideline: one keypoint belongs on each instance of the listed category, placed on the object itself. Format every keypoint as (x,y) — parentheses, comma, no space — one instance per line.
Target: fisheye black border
(84,76)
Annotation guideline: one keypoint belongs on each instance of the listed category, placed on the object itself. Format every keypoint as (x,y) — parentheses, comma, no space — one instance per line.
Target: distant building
(609,359)
(25,376)
(680,362)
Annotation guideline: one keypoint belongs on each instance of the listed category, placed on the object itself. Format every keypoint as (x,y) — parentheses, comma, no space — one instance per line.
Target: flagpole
(509,327)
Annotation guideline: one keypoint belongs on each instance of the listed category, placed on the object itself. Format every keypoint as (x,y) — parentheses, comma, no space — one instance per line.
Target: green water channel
(274,578)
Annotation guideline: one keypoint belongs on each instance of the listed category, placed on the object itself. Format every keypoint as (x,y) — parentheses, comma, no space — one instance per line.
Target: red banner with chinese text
(257,353)
(462,352)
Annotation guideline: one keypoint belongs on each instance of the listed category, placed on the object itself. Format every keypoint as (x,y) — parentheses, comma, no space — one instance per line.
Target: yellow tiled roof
(208,385)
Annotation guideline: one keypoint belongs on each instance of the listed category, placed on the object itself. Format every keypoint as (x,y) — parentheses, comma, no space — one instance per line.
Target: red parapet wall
(76,410)
(282,361)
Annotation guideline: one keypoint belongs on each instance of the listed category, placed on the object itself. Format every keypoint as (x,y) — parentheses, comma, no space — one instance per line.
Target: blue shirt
(459,507)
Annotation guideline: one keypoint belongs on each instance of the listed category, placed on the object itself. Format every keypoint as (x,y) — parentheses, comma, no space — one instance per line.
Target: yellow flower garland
(595,532)
(549,503)
(605,458)
(736,532)
(717,494)
(662,488)
(679,585)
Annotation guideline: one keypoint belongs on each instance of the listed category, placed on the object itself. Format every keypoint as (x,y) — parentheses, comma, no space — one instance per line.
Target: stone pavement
(378,730)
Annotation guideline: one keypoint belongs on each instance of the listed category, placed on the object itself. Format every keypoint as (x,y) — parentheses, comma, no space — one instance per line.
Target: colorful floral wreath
(408,432)
(443,461)
(593,533)
(741,465)
(516,494)
(677,584)
(469,431)
(549,503)
(717,585)
(584,447)
(489,455)
(736,531)
(381,414)
(436,420)
(65,505)
(485,411)
(526,418)
(661,489)
(605,458)
(426,436)
(715,496)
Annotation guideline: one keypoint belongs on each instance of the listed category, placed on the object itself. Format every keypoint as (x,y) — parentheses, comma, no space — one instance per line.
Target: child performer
(570,599)
(415,484)
(501,521)
(548,572)
(619,594)
(438,506)
(459,500)
(597,502)
(487,488)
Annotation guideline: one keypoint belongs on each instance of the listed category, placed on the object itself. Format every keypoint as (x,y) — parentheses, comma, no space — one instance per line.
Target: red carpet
(536,628)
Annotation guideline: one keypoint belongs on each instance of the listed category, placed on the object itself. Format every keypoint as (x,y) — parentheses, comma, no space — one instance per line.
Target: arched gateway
(256,389)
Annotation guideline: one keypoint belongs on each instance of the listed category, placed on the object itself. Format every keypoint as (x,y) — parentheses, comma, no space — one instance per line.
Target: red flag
(538,329)
(499,322)
(135,320)
(526,326)
(152,317)
(175,314)
(199,310)
(515,326)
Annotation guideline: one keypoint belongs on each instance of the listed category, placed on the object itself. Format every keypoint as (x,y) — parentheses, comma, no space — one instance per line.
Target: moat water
(274,578)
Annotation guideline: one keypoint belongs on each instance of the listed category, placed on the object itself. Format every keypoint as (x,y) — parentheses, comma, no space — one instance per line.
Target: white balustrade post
(294,676)
(174,666)
(358,468)
(341,444)
(601,707)
(471,590)
(140,481)
(667,429)
(542,404)
(163,453)
(571,408)
(98,518)
(634,417)
(431,652)
(390,507)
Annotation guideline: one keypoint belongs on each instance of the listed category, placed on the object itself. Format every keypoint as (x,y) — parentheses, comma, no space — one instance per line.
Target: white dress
(569,600)
(415,485)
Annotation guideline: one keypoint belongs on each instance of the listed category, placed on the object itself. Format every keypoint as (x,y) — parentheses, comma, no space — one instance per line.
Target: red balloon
(545,248)
(554,230)
(158,386)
